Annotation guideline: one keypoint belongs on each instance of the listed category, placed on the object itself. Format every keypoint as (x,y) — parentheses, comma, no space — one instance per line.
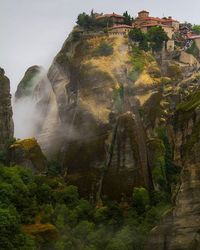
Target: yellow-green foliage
(154,71)
(30,149)
(26,144)
(185,110)
(192,102)
(138,61)
(144,64)
(57,218)
(38,229)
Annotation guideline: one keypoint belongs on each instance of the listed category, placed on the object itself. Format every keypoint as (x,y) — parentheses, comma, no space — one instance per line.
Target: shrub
(196,29)
(193,50)
(69,195)
(140,199)
(138,36)
(76,35)
(54,168)
(11,235)
(104,49)
(156,36)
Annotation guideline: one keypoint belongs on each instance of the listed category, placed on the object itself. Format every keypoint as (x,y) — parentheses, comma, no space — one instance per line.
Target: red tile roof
(194,37)
(121,26)
(152,25)
(110,15)
(163,20)
(143,11)
(168,20)
(150,19)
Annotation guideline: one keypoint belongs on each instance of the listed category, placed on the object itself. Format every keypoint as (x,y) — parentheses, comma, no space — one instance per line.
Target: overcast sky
(33,31)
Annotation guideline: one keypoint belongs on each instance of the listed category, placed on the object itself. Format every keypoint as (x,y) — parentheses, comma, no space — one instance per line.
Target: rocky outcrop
(27,153)
(31,78)
(126,157)
(100,113)
(6,122)
(179,229)
(30,102)
(188,59)
(91,97)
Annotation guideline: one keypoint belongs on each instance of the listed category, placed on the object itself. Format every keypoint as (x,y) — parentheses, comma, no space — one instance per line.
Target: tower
(143,14)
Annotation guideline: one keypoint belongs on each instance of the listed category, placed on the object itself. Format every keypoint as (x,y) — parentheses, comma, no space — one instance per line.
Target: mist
(25,117)
(27,114)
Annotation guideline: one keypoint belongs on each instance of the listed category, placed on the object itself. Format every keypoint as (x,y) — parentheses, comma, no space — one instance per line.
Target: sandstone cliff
(115,118)
(93,121)
(6,122)
(27,153)
(31,78)
(179,229)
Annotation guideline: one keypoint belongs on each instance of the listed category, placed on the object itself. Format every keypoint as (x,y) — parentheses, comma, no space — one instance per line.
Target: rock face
(30,102)
(100,113)
(27,153)
(32,77)
(179,229)
(6,122)
(92,122)
(188,59)
(103,118)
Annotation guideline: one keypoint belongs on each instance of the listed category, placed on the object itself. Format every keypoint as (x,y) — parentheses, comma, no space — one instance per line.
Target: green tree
(196,29)
(6,193)
(90,22)
(54,168)
(116,244)
(82,230)
(138,36)
(127,18)
(156,36)
(11,236)
(18,185)
(69,195)
(84,20)
(141,199)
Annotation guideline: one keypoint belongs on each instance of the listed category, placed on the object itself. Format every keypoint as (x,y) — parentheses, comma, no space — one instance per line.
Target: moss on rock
(28,153)
(156,150)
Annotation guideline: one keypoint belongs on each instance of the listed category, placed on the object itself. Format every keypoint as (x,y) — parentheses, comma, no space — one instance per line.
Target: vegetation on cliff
(40,212)
(90,22)
(153,39)
(112,146)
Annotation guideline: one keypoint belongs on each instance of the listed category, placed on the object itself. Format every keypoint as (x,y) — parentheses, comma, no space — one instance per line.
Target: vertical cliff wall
(6,122)
(92,121)
(179,229)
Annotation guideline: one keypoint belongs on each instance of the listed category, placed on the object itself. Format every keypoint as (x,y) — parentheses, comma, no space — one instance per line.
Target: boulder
(27,153)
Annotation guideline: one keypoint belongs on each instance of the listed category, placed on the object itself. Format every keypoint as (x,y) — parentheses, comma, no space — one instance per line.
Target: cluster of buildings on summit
(144,22)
